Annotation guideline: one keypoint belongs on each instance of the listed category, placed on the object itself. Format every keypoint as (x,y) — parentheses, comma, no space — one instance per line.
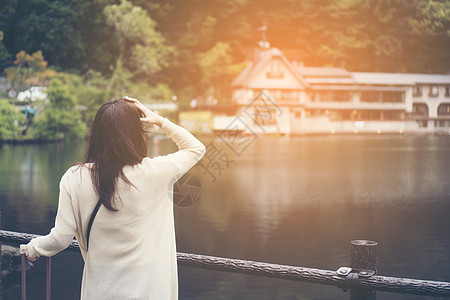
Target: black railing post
(363,255)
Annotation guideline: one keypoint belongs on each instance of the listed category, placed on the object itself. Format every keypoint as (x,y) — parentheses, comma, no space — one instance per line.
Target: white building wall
(409,99)
(287,81)
(303,97)
(356,98)
(284,121)
(289,122)
(432,102)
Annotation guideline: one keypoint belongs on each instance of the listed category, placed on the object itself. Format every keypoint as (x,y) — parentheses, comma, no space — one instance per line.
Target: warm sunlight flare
(224,149)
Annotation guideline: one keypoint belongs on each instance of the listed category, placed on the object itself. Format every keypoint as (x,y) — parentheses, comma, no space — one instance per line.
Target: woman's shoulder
(151,165)
(79,167)
(75,171)
(146,164)
(158,161)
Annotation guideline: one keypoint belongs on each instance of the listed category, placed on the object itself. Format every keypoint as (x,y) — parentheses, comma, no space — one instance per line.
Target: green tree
(143,50)
(159,41)
(71,34)
(90,92)
(5,57)
(60,119)
(431,33)
(218,71)
(11,121)
(49,26)
(27,70)
(194,28)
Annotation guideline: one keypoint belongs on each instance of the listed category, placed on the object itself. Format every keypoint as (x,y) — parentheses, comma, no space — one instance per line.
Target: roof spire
(263,43)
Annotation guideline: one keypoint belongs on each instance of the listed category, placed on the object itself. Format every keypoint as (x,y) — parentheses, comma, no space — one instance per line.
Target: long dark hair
(117,139)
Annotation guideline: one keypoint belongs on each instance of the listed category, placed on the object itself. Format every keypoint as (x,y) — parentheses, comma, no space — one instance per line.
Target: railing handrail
(313,275)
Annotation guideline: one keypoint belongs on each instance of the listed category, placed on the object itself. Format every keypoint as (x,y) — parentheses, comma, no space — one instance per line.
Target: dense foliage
(174,42)
(69,104)
(59,118)
(10,121)
(194,48)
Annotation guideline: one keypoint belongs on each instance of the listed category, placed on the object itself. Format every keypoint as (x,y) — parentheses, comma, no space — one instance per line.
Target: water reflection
(293,201)
(29,183)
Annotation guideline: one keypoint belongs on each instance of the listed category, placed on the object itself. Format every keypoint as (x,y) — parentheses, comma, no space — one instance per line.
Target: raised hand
(150,117)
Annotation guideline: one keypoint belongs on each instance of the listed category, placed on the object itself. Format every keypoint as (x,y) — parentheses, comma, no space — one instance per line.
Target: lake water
(297,201)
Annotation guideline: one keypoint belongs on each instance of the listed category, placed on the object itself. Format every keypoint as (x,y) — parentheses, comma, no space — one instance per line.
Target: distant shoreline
(272,135)
(29,141)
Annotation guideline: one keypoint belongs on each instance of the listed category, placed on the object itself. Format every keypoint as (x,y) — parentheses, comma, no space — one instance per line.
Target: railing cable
(313,275)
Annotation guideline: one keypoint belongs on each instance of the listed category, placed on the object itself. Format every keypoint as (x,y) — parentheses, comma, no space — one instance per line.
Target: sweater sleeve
(190,149)
(60,236)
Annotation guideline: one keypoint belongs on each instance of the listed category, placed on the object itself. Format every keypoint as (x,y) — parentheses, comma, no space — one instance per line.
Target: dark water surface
(297,201)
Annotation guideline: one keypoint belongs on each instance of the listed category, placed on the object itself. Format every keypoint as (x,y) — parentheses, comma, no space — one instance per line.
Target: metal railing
(360,278)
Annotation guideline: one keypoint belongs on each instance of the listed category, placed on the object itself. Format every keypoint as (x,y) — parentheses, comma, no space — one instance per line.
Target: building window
(265,117)
(370,97)
(444,110)
(282,95)
(381,115)
(371,115)
(441,123)
(422,123)
(324,97)
(366,115)
(392,97)
(417,91)
(420,110)
(447,91)
(297,114)
(315,113)
(335,115)
(391,115)
(332,96)
(434,91)
(385,97)
(341,96)
(275,71)
(289,95)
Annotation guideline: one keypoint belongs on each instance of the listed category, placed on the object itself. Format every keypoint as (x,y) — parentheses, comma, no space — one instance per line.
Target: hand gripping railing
(359,277)
(48,285)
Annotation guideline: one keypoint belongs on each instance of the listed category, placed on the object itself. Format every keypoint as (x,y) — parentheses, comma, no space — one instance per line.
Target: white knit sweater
(132,252)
